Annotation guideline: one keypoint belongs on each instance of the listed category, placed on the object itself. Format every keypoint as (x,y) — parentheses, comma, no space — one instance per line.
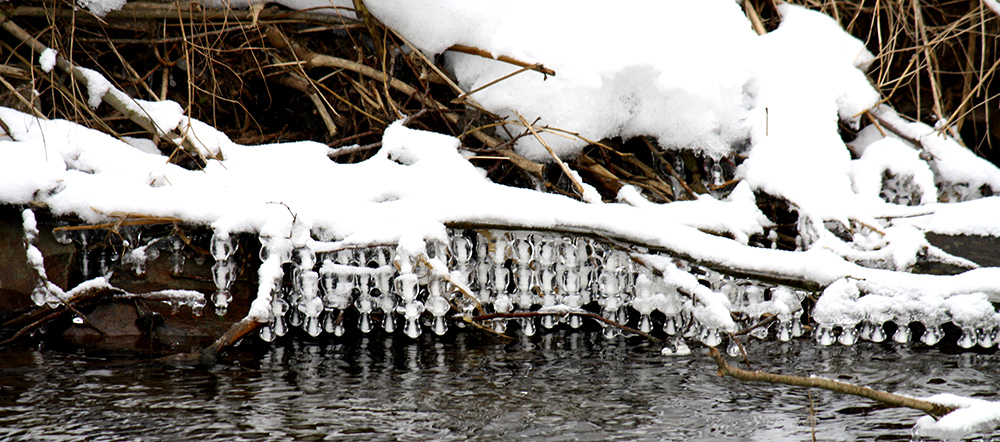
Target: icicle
(267,334)
(438,307)
(848,335)
(987,337)
(313,326)
(902,334)
(279,326)
(548,321)
(784,330)
(387,303)
(932,334)
(177,254)
(365,304)
(223,274)
(734,348)
(968,338)
(412,312)
(710,337)
(670,325)
(824,335)
(528,326)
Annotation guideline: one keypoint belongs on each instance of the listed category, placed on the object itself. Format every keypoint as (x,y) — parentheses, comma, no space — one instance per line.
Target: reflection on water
(556,386)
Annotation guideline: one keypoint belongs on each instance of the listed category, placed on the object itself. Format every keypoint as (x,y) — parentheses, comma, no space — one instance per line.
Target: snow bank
(690,74)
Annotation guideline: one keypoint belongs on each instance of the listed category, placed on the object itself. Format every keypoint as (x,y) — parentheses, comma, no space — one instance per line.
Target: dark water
(554,387)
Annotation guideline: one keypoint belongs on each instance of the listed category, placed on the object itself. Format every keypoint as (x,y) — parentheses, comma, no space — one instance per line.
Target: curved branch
(895,400)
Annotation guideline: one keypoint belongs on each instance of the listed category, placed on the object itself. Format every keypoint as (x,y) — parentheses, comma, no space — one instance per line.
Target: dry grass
(937,60)
(269,75)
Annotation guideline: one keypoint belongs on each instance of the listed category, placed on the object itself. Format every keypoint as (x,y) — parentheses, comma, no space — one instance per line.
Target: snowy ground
(692,75)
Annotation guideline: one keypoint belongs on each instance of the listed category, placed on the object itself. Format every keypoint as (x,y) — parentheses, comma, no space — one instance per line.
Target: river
(556,386)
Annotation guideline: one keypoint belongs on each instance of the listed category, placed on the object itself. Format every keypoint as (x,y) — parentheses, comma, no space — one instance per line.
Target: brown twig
(208,355)
(486,54)
(895,400)
(558,161)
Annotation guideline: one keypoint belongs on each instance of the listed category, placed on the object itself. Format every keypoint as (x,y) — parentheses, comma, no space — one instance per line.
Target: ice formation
(416,234)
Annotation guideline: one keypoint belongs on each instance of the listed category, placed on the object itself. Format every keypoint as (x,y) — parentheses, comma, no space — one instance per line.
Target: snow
(972,416)
(47,59)
(691,75)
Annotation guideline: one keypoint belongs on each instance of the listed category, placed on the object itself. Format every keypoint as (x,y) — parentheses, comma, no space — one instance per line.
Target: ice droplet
(710,337)
(645,325)
(329,321)
(548,321)
(313,327)
(222,246)
(440,326)
(785,331)
(734,349)
(221,300)
(932,334)
(267,334)
(761,332)
(575,321)
(848,335)
(38,295)
(902,334)
(528,326)
(670,325)
(987,337)
(824,335)
(412,328)
(279,326)
(500,326)
(365,323)
(389,323)
(968,338)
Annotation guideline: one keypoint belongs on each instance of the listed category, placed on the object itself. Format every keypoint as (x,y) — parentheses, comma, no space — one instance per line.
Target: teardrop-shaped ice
(548,321)
(528,326)
(440,326)
(734,348)
(365,323)
(987,337)
(932,334)
(313,327)
(824,335)
(670,325)
(785,331)
(38,295)
(710,337)
(797,328)
(412,328)
(848,335)
(902,334)
(329,320)
(645,325)
(878,333)
(389,322)
(267,334)
(968,338)
(279,326)
(761,332)
(500,326)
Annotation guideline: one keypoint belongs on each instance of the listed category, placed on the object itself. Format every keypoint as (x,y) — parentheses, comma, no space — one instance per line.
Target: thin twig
(486,54)
(559,161)
(895,400)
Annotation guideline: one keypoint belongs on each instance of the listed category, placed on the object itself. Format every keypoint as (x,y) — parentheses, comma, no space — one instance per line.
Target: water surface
(558,386)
